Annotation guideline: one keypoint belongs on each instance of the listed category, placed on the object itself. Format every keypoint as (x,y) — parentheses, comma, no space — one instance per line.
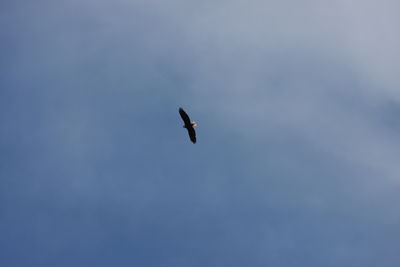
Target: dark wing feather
(192,134)
(184,116)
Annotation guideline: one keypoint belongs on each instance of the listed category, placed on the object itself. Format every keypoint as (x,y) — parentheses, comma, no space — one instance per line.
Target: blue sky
(297,160)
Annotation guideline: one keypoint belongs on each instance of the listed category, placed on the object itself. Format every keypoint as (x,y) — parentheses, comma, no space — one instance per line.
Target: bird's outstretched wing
(184,116)
(192,134)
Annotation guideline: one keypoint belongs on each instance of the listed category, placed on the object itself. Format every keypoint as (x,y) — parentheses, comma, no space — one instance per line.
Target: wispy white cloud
(320,69)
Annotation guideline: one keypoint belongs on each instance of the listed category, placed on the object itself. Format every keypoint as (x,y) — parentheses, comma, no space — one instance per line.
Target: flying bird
(188,125)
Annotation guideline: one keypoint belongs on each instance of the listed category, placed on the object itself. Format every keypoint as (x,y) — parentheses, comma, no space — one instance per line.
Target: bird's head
(194,123)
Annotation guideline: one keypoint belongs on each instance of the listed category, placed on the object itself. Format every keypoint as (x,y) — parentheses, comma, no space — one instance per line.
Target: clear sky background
(298,154)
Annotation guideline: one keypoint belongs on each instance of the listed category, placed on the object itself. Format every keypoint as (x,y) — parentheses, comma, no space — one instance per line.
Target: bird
(189,125)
